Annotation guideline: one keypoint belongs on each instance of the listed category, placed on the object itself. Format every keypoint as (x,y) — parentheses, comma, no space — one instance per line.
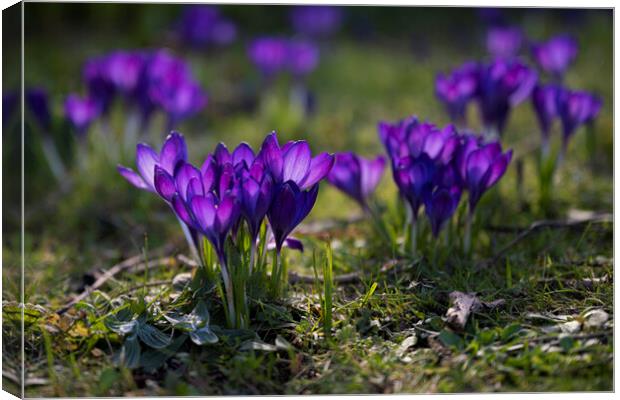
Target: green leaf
(203,336)
(154,359)
(130,353)
(153,337)
(122,327)
(509,331)
(451,339)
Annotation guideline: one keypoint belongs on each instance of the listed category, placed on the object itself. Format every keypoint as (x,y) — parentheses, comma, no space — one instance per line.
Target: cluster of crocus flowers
(432,167)
(203,25)
(316,21)
(496,86)
(555,55)
(276,55)
(147,81)
(230,191)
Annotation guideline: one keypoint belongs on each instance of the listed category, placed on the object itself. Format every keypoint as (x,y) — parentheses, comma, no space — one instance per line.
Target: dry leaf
(463,304)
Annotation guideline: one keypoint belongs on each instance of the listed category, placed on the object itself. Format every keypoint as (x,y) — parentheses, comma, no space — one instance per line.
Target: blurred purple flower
(81,112)
(100,87)
(316,20)
(457,89)
(274,55)
(504,41)
(203,25)
(503,84)
(269,54)
(356,176)
(303,57)
(173,153)
(544,101)
(556,55)
(441,205)
(123,70)
(38,104)
(576,108)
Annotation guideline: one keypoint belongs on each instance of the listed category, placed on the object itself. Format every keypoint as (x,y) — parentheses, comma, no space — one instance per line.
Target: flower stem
(414,236)
(467,236)
(228,288)
(252,256)
(190,240)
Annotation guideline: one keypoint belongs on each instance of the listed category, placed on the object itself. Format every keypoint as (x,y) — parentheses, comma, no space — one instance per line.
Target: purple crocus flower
(170,85)
(269,54)
(256,191)
(38,104)
(203,25)
(556,55)
(415,178)
(294,162)
(504,41)
(503,84)
(441,205)
(356,176)
(303,57)
(100,88)
(173,153)
(316,20)
(10,100)
(480,166)
(576,108)
(544,101)
(290,205)
(123,70)
(81,112)
(457,89)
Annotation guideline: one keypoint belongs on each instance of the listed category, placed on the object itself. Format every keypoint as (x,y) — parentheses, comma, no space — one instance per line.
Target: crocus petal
(203,209)
(371,173)
(184,174)
(499,167)
(478,163)
(226,213)
(146,159)
(294,244)
(243,153)
(271,156)
(221,154)
(319,168)
(133,177)
(180,208)
(164,183)
(296,162)
(173,151)
(308,198)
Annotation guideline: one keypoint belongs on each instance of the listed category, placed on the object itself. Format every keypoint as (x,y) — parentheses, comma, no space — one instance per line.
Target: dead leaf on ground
(463,304)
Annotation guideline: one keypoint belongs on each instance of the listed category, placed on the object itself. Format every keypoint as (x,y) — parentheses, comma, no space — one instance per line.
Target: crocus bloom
(173,153)
(457,89)
(100,89)
(289,207)
(441,205)
(269,54)
(544,101)
(415,178)
(37,101)
(480,166)
(303,57)
(504,41)
(170,85)
(575,109)
(123,70)
(316,20)
(10,100)
(503,84)
(556,55)
(294,162)
(81,112)
(256,191)
(356,176)
(203,25)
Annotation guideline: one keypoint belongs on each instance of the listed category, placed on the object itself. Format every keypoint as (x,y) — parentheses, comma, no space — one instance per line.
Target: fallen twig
(130,263)
(534,226)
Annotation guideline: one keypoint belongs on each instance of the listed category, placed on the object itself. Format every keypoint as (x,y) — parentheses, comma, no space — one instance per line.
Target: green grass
(387,331)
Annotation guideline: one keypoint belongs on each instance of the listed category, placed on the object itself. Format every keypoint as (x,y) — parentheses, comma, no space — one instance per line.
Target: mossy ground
(391,341)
